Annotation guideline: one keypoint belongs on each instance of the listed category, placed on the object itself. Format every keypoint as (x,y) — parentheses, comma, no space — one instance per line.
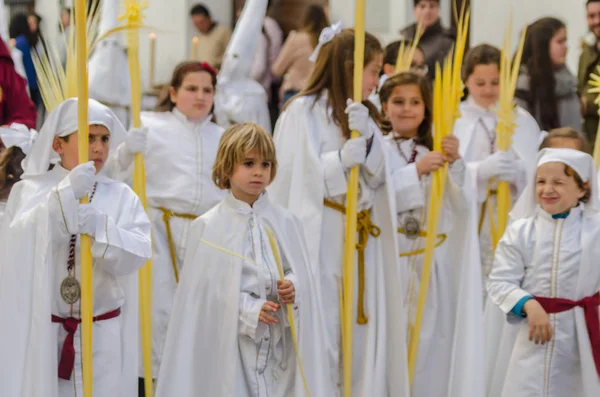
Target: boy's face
(250,178)
(427,12)
(556,192)
(99,146)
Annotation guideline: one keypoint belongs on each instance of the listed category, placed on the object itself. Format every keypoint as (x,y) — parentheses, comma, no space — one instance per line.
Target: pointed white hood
(240,54)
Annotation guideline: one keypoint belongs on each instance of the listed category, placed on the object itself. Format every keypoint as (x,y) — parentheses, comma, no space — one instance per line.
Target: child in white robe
(39,267)
(546,280)
(179,142)
(316,153)
(230,332)
(454,293)
(476,131)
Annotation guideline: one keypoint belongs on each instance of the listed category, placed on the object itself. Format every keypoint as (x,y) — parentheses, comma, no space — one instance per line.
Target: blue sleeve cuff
(517,310)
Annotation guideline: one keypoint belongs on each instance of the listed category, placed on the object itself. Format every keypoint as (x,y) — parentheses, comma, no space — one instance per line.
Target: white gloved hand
(354,152)
(82,179)
(137,141)
(87,217)
(499,165)
(358,118)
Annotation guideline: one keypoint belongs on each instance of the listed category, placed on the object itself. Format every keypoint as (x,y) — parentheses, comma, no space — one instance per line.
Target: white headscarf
(62,122)
(582,163)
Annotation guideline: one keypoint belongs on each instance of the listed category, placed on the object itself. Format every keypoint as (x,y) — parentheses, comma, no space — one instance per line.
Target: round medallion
(70,290)
(412,227)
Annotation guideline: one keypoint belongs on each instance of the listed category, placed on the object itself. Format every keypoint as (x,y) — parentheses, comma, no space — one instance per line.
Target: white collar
(242,207)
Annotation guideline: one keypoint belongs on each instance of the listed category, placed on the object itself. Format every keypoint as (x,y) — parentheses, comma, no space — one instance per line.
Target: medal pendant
(70,290)
(412,227)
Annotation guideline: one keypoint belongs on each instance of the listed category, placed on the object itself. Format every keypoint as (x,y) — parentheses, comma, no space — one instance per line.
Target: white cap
(581,162)
(61,122)
(241,51)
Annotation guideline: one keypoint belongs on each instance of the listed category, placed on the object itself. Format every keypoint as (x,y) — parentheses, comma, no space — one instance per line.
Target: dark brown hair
(333,73)
(483,54)
(10,170)
(585,186)
(181,71)
(424,134)
(567,133)
(390,55)
(540,95)
(315,20)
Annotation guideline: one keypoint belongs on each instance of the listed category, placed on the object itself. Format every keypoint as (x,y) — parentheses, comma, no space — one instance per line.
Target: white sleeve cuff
(335,175)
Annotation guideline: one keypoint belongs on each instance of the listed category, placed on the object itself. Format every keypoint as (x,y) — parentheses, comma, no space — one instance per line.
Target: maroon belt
(592,320)
(67,356)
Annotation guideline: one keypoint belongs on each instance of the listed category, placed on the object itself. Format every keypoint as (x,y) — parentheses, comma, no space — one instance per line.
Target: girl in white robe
(546,280)
(315,155)
(179,142)
(39,267)
(476,131)
(451,341)
(232,290)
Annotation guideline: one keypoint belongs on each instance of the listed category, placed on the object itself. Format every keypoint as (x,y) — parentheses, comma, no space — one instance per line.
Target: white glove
(354,152)
(87,217)
(358,118)
(499,165)
(137,141)
(82,179)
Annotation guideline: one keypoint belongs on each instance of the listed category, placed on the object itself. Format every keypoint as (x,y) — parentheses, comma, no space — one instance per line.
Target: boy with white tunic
(39,268)
(245,274)
(179,142)
(546,279)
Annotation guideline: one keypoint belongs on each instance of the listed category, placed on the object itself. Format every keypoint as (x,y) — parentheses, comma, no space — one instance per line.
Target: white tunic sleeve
(122,244)
(374,168)
(62,205)
(335,175)
(504,284)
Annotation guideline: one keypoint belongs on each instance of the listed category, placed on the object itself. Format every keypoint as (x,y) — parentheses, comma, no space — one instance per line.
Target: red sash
(67,356)
(592,320)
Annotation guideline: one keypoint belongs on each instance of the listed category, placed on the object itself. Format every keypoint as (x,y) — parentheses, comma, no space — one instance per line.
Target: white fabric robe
(40,216)
(475,147)
(309,171)
(542,256)
(451,342)
(179,160)
(216,346)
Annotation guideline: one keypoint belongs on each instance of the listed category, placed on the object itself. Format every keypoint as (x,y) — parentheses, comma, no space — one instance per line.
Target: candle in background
(152,59)
(195,49)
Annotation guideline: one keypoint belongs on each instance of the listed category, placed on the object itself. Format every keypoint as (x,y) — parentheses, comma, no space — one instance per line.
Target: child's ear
(57,145)
(584,191)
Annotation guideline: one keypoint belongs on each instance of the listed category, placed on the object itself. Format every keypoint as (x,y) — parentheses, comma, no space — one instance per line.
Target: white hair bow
(20,136)
(326,36)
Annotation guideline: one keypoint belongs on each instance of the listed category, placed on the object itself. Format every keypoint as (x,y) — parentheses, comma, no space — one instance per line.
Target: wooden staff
(87,291)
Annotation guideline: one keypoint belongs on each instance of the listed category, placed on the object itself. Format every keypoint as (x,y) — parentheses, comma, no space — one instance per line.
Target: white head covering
(18,135)
(325,37)
(62,122)
(582,163)
(241,51)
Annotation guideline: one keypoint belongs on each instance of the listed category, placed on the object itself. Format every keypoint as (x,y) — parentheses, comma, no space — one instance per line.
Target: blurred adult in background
(213,37)
(15,105)
(27,40)
(293,62)
(63,38)
(588,62)
(437,40)
(546,88)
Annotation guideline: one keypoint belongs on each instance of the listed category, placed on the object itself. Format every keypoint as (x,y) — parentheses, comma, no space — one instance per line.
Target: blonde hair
(235,144)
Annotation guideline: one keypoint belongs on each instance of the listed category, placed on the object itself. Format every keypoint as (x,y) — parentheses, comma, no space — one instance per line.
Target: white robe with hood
(310,171)
(215,345)
(40,217)
(555,258)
